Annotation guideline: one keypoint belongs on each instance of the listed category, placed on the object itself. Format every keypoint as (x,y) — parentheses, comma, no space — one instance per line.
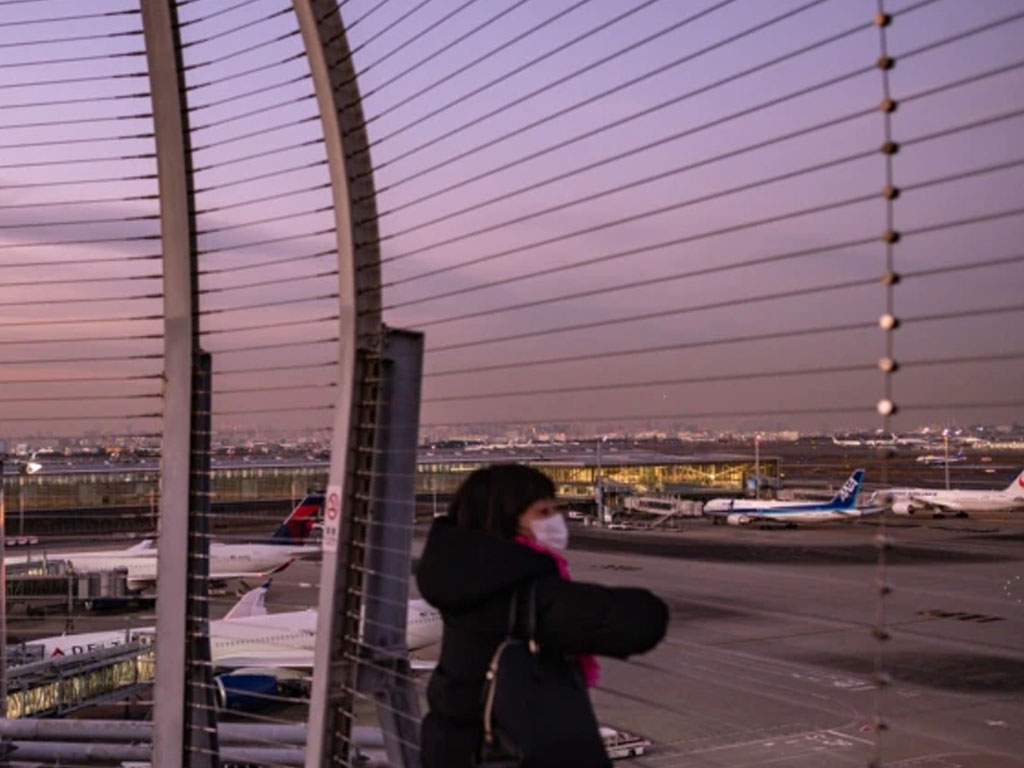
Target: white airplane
(934,458)
(253,649)
(907,501)
(227,561)
(745,511)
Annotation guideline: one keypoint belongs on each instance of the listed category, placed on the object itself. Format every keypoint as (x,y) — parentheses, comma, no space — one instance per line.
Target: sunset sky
(605,206)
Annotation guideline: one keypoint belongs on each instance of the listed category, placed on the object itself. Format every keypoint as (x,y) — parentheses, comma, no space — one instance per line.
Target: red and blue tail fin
(296,528)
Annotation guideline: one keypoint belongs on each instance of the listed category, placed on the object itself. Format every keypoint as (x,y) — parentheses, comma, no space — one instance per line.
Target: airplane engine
(902,508)
(738,519)
(245,692)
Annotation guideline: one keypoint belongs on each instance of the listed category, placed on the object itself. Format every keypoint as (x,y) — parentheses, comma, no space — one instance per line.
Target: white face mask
(551,531)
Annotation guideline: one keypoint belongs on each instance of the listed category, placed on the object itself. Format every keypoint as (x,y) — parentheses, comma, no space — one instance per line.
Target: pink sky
(672,306)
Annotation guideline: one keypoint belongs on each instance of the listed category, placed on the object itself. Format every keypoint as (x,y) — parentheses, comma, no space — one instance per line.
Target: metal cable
(272,368)
(744,338)
(706,306)
(99,260)
(261,176)
(266,220)
(80,17)
(603,94)
(246,72)
(601,129)
(272,263)
(419,35)
(865,408)
(254,112)
(265,198)
(248,49)
(268,241)
(440,51)
(665,278)
(279,345)
(69,142)
(265,283)
(744,376)
(76,121)
(74,39)
(82,222)
(133,238)
(238,28)
(93,300)
(629,118)
(734,228)
(255,92)
(673,347)
(629,219)
(256,133)
(74,60)
(76,161)
(215,14)
(267,305)
(664,174)
(492,52)
(73,80)
(76,182)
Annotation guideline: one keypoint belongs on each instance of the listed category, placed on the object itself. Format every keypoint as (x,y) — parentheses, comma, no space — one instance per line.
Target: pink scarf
(588,663)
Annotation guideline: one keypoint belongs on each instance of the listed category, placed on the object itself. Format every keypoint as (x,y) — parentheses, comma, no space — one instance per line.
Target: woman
(503,532)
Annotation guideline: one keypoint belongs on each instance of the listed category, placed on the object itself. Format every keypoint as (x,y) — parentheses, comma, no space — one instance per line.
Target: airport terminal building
(438,475)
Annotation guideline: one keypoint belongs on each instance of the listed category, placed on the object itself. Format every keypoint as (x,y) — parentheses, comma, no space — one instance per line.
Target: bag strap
(531,616)
(491,675)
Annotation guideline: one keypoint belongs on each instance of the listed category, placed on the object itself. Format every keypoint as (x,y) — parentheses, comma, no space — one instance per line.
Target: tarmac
(770,658)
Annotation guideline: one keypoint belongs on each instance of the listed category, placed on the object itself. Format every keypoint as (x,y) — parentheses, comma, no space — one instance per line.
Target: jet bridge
(60,685)
(47,584)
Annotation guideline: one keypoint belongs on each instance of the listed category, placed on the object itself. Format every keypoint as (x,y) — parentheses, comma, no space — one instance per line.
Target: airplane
(907,501)
(933,458)
(227,561)
(254,650)
(745,511)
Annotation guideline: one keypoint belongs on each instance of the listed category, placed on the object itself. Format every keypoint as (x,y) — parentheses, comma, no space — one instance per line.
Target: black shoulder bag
(536,708)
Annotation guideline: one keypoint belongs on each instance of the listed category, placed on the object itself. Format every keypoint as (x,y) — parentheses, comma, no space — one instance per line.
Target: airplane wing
(289,658)
(874,509)
(941,506)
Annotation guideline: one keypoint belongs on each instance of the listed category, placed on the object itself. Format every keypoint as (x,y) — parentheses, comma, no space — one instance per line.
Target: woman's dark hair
(492,498)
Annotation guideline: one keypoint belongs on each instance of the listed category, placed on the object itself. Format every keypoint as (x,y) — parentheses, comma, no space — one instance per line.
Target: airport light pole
(945,454)
(757,465)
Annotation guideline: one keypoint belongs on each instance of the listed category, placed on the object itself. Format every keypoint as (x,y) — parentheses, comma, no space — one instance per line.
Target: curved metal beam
(351,474)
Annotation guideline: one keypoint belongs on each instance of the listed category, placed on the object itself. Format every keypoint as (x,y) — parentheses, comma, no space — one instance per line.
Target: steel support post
(350,485)
(178,244)
(3,601)
(200,706)
(386,673)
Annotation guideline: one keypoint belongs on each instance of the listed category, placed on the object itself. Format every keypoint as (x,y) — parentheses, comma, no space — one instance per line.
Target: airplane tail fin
(298,525)
(252,603)
(847,496)
(1016,488)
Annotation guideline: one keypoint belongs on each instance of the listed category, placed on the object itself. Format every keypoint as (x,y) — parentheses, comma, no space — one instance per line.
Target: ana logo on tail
(848,493)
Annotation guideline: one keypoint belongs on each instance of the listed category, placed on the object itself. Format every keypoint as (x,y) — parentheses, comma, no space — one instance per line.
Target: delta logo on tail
(299,524)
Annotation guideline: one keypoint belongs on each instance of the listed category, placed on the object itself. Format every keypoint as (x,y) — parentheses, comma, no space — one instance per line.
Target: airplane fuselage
(905,500)
(778,511)
(272,640)
(227,561)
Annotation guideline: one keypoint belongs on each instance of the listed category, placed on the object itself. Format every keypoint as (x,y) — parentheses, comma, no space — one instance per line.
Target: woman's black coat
(470,577)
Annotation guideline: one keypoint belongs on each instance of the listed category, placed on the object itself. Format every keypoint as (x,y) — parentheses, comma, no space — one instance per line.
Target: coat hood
(461,568)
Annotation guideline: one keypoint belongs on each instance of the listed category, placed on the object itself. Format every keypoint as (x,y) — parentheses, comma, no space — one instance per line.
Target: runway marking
(848,736)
